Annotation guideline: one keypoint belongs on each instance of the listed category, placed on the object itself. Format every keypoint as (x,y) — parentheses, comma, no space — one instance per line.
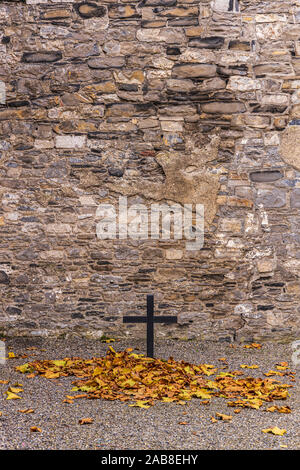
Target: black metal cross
(150,319)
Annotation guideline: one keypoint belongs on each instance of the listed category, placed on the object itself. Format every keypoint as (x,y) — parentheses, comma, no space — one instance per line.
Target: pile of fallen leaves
(127,376)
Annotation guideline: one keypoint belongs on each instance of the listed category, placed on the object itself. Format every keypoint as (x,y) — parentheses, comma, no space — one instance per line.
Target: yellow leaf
(24,368)
(51,375)
(12,396)
(15,390)
(276,431)
(141,404)
(224,417)
(59,363)
(11,355)
(244,366)
(201,394)
(35,429)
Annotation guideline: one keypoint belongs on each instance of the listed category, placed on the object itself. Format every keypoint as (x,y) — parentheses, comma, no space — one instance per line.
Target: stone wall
(159,100)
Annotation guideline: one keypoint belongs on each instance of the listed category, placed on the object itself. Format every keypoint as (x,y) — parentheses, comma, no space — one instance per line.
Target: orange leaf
(86,421)
(35,429)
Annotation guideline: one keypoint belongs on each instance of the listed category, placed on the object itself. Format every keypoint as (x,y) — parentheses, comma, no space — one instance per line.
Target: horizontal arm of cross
(159,319)
(134,319)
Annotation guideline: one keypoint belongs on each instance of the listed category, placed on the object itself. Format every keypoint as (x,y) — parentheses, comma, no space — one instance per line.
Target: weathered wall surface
(160,100)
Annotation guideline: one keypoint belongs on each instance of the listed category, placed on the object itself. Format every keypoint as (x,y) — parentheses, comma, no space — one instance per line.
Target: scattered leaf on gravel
(26,411)
(15,390)
(141,404)
(223,417)
(244,366)
(12,396)
(86,421)
(273,372)
(35,429)
(11,355)
(252,346)
(279,409)
(4,381)
(276,431)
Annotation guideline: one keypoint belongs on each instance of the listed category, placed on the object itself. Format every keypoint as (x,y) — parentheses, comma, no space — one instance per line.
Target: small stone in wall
(4,279)
(265,265)
(70,141)
(271,198)
(43,56)
(2,93)
(90,10)
(225,5)
(173,254)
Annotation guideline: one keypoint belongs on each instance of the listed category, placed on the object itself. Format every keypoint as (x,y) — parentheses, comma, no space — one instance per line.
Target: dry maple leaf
(252,346)
(86,421)
(223,417)
(15,390)
(35,429)
(12,396)
(245,366)
(141,404)
(276,431)
(279,409)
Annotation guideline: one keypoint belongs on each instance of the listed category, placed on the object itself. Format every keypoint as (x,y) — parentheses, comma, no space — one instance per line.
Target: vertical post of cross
(150,326)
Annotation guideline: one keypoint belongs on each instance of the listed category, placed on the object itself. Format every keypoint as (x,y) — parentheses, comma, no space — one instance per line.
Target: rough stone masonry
(158,100)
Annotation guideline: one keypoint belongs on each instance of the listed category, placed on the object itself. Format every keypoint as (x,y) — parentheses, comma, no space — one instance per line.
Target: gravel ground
(119,427)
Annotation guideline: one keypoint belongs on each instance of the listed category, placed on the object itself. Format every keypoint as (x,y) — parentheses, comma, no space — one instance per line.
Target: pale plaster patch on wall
(290,146)
(188,180)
